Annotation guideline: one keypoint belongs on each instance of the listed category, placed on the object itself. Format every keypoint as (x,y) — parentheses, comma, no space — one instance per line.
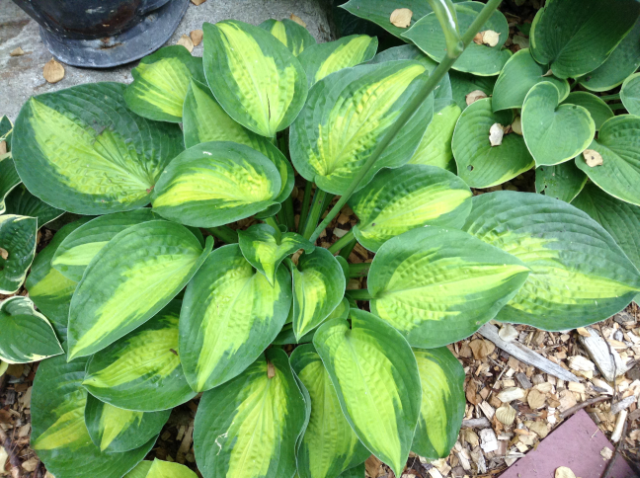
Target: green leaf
(116,430)
(22,203)
(160,83)
(554,133)
(288,337)
(519,75)
(291,34)
(630,94)
(411,196)
(379,12)
(463,83)
(578,276)
(329,446)
(129,281)
(140,471)
(318,288)
(60,436)
(322,59)
(481,165)
(435,147)
(443,402)
(142,371)
(216,183)
(18,241)
(9,179)
(563,181)
(619,144)
(376,377)
(346,116)
(229,317)
(83,151)
(597,108)
(482,60)
(166,469)
(254,77)
(437,286)
(3,367)
(27,335)
(575,37)
(265,250)
(355,472)
(248,427)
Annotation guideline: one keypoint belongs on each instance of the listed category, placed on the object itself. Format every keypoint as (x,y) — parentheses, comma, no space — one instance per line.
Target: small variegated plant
(299,374)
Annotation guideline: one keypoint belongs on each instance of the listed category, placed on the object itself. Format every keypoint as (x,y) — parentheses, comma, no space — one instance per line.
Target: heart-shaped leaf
(437,286)
(291,34)
(379,12)
(480,164)
(167,469)
(142,371)
(22,203)
(17,250)
(253,76)
(414,195)
(83,151)
(563,181)
(130,280)
(578,276)
(464,83)
(554,133)
(140,471)
(376,376)
(630,94)
(259,414)
(435,147)
(9,179)
(597,108)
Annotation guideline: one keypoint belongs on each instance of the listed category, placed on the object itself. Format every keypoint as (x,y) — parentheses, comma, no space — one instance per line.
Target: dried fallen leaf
(584,332)
(516,126)
(196,37)
(490,38)
(592,158)
(511,394)
(374,467)
(606,453)
(536,399)
(271,370)
(297,19)
(548,73)
(481,348)
(478,38)
(401,17)
(506,414)
(564,472)
(475,96)
(539,428)
(17,52)
(4,253)
(3,147)
(508,333)
(198,2)
(53,71)
(31,464)
(186,42)
(496,133)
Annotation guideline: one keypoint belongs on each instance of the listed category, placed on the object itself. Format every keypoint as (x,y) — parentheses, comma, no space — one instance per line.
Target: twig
(606,471)
(582,405)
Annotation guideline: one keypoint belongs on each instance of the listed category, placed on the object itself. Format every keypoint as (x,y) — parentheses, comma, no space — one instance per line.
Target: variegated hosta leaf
(142,371)
(578,276)
(60,436)
(291,34)
(265,250)
(9,179)
(563,181)
(322,59)
(376,376)
(76,251)
(229,317)
(130,280)
(355,472)
(437,286)
(22,203)
(379,12)
(17,250)
(348,113)
(113,429)
(204,120)
(329,446)
(83,151)
(3,367)
(160,469)
(443,402)
(249,427)
(254,77)
(435,146)
(597,108)
(318,288)
(27,335)
(160,83)
(212,184)
(414,195)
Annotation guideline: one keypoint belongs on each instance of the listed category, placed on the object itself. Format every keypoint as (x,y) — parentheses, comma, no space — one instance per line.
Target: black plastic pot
(104,33)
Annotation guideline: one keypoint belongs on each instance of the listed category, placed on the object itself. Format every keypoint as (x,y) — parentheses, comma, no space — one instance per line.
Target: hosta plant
(136,312)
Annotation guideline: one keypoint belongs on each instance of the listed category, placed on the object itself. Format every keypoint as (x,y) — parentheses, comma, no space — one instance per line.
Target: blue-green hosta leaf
(113,429)
(229,317)
(578,276)
(435,147)
(597,108)
(519,75)
(322,59)
(437,285)
(464,83)
(6,127)
(563,181)
(329,446)
(443,402)
(9,179)
(17,250)
(318,289)
(291,34)
(27,335)
(414,195)
(574,37)
(142,371)
(618,143)
(248,427)
(22,203)
(265,250)
(346,116)
(160,83)
(130,280)
(212,184)
(379,12)
(376,377)
(254,77)
(630,94)
(83,151)
(60,436)
(483,60)
(554,132)
(481,165)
